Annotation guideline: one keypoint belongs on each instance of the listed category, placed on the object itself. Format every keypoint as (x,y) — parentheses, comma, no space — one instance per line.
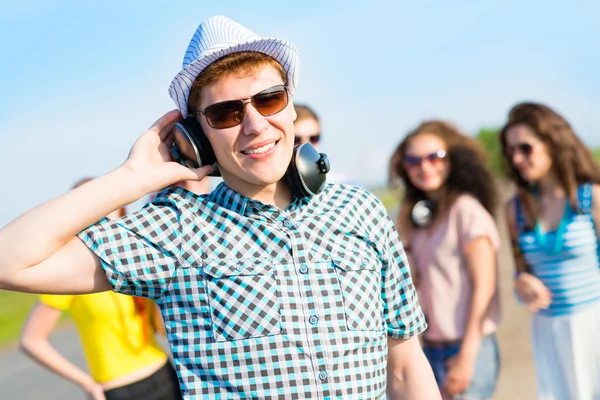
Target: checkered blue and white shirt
(263,303)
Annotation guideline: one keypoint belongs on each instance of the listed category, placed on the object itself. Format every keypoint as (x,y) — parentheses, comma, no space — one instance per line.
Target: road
(22,379)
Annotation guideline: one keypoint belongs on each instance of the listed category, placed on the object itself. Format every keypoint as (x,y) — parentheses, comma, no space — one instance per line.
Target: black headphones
(422,213)
(305,174)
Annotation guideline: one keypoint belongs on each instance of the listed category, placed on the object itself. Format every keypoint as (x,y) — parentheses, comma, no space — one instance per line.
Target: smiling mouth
(260,150)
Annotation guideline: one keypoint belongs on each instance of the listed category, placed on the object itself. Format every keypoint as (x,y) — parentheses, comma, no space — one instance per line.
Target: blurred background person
(117,335)
(307,129)
(554,221)
(445,221)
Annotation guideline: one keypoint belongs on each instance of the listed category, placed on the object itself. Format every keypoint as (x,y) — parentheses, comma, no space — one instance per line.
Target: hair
(572,161)
(468,173)
(305,112)
(244,63)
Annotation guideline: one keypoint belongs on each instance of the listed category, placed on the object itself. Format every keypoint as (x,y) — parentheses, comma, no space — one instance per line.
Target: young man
(264,295)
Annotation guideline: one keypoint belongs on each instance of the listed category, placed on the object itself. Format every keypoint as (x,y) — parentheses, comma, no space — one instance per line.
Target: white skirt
(567,355)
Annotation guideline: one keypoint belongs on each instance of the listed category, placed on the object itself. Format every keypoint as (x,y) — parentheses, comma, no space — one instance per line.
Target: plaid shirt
(264,303)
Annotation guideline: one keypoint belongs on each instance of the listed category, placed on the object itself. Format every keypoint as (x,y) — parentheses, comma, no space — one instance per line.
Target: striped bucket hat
(218,37)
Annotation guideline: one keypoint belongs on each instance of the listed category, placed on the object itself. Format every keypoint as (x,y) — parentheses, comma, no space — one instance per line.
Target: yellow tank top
(111,331)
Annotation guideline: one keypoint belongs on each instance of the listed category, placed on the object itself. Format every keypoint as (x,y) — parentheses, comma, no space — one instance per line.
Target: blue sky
(82,80)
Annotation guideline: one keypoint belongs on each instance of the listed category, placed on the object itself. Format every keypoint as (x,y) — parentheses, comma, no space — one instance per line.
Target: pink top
(443,283)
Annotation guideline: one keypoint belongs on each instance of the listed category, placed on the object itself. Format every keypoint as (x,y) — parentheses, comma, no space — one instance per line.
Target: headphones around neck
(305,173)
(422,213)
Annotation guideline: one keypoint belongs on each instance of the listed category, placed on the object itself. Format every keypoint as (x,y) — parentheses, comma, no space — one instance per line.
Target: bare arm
(45,256)
(409,373)
(528,287)
(39,251)
(34,342)
(481,265)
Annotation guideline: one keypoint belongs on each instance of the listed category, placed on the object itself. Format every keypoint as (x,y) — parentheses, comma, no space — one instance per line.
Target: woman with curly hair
(445,222)
(554,222)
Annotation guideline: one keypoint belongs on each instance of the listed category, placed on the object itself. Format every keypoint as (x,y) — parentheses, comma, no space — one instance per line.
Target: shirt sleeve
(474,221)
(60,302)
(139,252)
(402,312)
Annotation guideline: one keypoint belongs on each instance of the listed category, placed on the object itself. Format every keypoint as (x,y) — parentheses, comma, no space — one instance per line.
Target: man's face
(307,130)
(257,152)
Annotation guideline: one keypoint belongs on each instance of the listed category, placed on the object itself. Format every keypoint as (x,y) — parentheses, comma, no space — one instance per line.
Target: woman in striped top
(554,222)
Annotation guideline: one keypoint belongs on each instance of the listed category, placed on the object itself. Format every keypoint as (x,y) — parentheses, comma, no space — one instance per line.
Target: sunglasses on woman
(313,139)
(416,161)
(230,113)
(524,148)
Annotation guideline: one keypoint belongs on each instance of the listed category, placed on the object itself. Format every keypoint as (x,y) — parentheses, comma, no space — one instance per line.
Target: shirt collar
(240,204)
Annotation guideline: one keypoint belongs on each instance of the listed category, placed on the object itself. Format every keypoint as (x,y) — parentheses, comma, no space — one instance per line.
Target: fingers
(537,302)
(161,124)
(202,172)
(450,362)
(451,386)
(194,174)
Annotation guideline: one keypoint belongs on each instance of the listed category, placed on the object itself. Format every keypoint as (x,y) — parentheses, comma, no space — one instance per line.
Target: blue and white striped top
(572,274)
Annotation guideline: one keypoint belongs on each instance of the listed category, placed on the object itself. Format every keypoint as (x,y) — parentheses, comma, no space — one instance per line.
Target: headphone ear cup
(200,152)
(307,170)
(205,150)
(422,213)
(292,175)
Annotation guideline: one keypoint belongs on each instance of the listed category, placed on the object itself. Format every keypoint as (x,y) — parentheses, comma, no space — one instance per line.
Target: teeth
(260,150)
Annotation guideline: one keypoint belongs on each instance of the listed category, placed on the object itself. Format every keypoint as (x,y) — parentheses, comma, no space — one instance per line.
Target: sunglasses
(524,148)
(230,113)
(313,139)
(416,161)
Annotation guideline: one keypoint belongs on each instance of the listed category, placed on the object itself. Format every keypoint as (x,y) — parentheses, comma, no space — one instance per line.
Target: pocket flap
(218,268)
(355,261)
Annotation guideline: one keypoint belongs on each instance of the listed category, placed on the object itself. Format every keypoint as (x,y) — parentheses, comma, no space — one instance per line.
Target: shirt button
(288,224)
(364,262)
(303,269)
(323,375)
(313,320)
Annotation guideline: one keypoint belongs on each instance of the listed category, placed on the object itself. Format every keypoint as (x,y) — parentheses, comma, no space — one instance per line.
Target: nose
(254,123)
(517,158)
(426,165)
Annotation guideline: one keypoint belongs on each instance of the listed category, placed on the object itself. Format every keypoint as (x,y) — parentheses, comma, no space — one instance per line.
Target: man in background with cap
(264,294)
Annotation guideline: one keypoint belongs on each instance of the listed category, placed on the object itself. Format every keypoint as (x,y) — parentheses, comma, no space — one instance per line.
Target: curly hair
(468,172)
(572,161)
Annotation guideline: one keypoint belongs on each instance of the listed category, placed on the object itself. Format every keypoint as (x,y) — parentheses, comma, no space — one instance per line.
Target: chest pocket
(243,298)
(359,275)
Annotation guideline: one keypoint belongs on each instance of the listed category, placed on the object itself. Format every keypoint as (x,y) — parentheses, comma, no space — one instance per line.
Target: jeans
(487,367)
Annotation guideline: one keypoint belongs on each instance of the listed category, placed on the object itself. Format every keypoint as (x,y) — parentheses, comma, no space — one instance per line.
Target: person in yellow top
(117,335)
